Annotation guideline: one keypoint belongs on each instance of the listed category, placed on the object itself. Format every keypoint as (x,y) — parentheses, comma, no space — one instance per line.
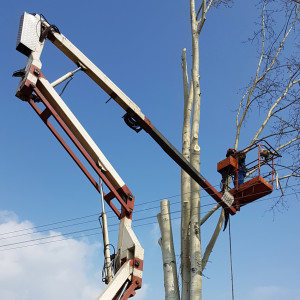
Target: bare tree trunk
(260,89)
(191,261)
(186,183)
(208,215)
(168,253)
(195,243)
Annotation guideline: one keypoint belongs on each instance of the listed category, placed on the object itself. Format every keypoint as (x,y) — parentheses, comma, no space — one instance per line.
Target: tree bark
(213,240)
(168,253)
(186,183)
(195,243)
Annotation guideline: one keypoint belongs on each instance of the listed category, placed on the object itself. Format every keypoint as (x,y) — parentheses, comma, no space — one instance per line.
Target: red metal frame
(126,208)
(122,194)
(255,188)
(250,191)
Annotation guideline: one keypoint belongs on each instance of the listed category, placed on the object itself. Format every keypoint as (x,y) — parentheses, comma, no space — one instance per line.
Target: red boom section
(251,190)
(262,182)
(122,195)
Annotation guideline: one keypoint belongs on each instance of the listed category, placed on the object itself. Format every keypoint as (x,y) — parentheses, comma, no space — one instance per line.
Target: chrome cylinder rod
(123,290)
(107,263)
(65,77)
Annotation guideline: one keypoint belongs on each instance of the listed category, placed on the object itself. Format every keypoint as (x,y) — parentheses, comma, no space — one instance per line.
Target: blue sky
(137,45)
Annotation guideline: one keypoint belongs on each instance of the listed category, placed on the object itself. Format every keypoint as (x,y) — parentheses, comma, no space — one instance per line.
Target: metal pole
(123,290)
(65,77)
(107,264)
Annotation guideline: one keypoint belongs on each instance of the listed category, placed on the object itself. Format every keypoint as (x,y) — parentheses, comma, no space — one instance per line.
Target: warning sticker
(228,199)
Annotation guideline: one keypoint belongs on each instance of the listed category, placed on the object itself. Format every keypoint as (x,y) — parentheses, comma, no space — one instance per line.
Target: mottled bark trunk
(168,253)
(186,183)
(195,243)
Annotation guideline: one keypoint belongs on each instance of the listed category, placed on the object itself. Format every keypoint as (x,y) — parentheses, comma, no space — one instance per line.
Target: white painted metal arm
(129,262)
(80,133)
(134,118)
(130,254)
(73,53)
(117,282)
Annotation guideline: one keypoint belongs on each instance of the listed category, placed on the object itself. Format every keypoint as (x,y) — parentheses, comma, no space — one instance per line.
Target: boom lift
(34,88)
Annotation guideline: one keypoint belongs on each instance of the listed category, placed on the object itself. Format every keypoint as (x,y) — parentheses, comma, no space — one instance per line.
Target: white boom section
(130,253)
(28,43)
(80,133)
(72,52)
(128,245)
(138,119)
(117,282)
(129,249)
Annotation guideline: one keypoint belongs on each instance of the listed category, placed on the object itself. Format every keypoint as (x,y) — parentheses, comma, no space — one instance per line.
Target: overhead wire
(49,224)
(110,212)
(97,228)
(80,236)
(92,221)
(86,222)
(91,215)
(97,214)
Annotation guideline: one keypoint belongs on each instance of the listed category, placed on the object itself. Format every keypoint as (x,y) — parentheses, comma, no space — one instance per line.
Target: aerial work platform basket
(253,179)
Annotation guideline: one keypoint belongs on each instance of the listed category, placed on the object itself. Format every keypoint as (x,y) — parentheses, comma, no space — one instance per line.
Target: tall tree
(191,257)
(274,91)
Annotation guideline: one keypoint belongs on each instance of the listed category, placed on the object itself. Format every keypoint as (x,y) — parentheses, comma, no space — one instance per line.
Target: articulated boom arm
(133,117)
(130,254)
(34,88)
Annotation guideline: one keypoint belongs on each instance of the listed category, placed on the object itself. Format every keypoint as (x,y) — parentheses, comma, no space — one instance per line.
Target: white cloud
(61,270)
(274,293)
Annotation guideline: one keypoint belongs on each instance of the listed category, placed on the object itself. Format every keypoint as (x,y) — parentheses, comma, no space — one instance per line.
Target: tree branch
(288,143)
(284,107)
(240,122)
(277,133)
(207,216)
(278,50)
(185,78)
(199,10)
(209,5)
(288,176)
(270,112)
(258,79)
(212,241)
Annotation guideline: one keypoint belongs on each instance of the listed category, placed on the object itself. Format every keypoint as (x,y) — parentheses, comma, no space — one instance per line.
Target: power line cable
(110,212)
(91,221)
(85,222)
(113,230)
(97,228)
(86,235)
(50,224)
